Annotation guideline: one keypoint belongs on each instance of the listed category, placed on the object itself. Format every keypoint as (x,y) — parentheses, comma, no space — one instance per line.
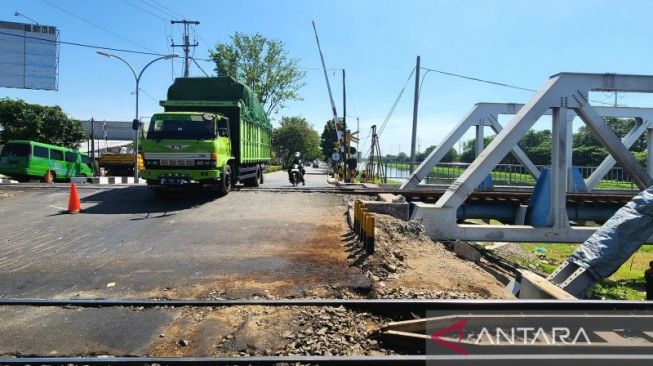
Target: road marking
(23,267)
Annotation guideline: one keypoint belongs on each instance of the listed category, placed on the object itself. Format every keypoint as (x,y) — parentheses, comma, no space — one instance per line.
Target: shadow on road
(356,253)
(138,200)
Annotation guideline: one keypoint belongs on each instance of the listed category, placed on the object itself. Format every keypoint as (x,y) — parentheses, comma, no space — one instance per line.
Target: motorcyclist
(297,159)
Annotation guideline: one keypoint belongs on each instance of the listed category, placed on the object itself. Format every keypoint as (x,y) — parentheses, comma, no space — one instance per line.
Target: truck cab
(187,148)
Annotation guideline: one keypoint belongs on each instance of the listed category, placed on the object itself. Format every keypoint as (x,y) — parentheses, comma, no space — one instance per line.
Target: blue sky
(516,42)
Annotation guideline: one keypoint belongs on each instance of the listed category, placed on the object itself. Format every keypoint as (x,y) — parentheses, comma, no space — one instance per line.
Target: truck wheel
(253,181)
(256,179)
(225,182)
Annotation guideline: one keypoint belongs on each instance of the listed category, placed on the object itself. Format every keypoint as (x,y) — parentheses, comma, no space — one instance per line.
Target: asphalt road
(128,244)
(314,177)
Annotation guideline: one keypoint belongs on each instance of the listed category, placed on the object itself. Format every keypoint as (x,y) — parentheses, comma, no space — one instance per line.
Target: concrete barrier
(100,180)
(115,180)
(8,181)
(533,286)
(389,197)
(395,209)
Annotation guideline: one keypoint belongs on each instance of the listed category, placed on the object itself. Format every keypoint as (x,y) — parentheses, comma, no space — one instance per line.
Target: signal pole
(415,105)
(186,45)
(344,127)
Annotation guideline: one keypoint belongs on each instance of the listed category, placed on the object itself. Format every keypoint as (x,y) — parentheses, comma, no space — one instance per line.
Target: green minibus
(25,160)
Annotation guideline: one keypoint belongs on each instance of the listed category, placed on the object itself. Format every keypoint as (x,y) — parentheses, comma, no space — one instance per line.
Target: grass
(627,283)
(606,184)
(377,181)
(273,168)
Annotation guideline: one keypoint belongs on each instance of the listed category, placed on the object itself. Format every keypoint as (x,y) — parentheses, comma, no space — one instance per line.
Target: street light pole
(138,80)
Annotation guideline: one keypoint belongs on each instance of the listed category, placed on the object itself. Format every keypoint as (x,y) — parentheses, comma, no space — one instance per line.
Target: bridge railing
(502,174)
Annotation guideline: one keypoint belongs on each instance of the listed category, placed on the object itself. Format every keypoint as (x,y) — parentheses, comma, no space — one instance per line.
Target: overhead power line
(98,26)
(488,82)
(200,67)
(144,10)
(154,5)
(479,80)
(203,40)
(176,14)
(394,105)
(84,45)
(392,110)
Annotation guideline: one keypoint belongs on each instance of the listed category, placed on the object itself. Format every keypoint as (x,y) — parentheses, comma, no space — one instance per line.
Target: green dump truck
(213,133)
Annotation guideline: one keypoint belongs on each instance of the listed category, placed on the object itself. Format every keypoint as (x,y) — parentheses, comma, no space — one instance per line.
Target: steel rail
(382,305)
(621,196)
(405,307)
(489,359)
(436,193)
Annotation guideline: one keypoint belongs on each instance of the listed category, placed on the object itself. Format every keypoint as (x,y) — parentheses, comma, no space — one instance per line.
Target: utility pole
(186,46)
(93,142)
(339,134)
(344,127)
(415,105)
(358,147)
(137,77)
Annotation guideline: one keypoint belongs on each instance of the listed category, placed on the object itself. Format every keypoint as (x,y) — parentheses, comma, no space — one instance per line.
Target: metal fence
(502,174)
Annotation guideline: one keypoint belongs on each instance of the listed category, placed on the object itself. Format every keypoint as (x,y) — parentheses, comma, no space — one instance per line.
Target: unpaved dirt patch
(264,330)
(408,264)
(514,253)
(5,194)
(227,288)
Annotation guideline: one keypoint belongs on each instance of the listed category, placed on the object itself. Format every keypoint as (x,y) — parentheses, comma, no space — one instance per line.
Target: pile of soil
(408,264)
(267,331)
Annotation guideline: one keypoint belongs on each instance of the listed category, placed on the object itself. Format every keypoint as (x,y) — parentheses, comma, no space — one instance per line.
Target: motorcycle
(295,173)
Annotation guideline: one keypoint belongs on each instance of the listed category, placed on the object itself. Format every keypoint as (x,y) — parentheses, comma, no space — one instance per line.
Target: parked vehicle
(213,133)
(26,160)
(119,164)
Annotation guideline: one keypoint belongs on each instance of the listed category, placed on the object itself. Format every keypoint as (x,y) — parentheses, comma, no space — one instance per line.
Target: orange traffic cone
(73,202)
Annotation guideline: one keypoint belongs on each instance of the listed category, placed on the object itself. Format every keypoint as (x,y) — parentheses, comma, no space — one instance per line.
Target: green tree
(536,145)
(403,157)
(23,121)
(328,139)
(390,158)
(262,64)
(452,155)
(589,151)
(295,134)
(469,154)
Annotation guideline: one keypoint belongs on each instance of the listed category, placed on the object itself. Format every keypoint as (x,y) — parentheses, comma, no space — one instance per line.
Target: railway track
(614,350)
(422,194)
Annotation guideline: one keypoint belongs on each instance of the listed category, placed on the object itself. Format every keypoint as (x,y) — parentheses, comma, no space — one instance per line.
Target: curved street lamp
(137,77)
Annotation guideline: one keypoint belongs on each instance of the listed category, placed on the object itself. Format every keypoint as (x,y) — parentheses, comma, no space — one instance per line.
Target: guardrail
(503,174)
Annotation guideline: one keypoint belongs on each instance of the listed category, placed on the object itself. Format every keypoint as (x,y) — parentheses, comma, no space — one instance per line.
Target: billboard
(29,56)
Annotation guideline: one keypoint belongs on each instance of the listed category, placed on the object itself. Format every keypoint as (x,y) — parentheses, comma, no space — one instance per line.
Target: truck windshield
(16,150)
(181,129)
